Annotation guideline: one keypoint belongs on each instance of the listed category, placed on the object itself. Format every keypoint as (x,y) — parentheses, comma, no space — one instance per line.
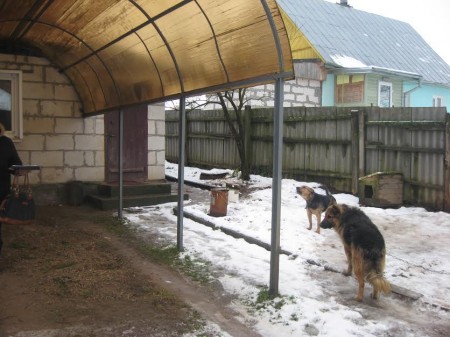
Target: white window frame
(440,99)
(385,84)
(15,76)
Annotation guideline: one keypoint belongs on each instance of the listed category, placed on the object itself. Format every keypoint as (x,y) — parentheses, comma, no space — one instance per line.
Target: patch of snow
(314,301)
(347,61)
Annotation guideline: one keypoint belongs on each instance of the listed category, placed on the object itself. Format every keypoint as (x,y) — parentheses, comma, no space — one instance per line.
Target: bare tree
(232,102)
(236,100)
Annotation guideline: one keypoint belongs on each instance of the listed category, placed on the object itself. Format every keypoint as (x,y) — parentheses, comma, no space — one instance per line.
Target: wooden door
(135,145)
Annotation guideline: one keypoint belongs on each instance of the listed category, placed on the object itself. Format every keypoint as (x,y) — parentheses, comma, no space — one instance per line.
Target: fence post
(247,135)
(186,136)
(447,166)
(362,143)
(355,150)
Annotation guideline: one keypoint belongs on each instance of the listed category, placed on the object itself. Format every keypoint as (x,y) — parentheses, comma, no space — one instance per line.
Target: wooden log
(212,176)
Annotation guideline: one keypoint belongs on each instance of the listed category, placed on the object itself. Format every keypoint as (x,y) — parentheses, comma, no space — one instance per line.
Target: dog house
(381,189)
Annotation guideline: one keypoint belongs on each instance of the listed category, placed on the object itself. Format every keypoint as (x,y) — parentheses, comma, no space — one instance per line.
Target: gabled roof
(350,38)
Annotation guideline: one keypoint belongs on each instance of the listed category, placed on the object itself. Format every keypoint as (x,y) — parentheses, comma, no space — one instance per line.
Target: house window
(11,102)
(438,101)
(384,94)
(349,89)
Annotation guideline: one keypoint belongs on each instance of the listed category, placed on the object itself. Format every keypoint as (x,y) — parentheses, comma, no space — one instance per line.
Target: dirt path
(69,275)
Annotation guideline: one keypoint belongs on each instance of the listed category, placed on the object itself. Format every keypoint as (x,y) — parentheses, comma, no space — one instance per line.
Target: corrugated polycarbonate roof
(123,52)
(343,34)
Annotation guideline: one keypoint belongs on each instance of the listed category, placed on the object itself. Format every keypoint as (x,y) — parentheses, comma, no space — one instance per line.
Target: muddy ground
(77,272)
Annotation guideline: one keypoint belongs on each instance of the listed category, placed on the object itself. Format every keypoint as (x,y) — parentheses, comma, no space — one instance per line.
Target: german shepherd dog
(363,245)
(315,203)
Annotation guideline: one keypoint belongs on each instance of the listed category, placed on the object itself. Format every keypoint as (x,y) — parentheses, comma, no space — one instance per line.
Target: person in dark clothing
(8,157)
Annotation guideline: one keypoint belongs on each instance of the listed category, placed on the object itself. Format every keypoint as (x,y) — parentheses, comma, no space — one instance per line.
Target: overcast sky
(430,18)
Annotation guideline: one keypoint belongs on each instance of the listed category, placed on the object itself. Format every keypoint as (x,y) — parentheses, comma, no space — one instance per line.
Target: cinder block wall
(156,142)
(55,135)
(298,92)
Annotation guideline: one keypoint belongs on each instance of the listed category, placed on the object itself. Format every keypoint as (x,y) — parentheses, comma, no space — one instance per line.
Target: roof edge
(269,78)
(375,70)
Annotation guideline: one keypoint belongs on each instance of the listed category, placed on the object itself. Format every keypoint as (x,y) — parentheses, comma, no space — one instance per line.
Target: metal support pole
(277,161)
(181,160)
(120,162)
(276,188)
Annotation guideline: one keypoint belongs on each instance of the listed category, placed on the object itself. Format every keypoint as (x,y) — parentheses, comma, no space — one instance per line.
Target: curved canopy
(123,52)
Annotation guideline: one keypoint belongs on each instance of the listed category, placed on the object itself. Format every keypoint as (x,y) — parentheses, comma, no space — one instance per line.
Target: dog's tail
(378,282)
(325,189)
(332,199)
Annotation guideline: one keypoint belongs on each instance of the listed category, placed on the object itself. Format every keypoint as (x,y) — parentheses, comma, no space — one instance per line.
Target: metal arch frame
(154,63)
(29,21)
(219,54)
(25,25)
(182,118)
(278,131)
(277,163)
(132,31)
(182,143)
(221,87)
(152,21)
(95,53)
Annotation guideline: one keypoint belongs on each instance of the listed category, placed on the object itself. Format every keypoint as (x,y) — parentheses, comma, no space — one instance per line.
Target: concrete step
(107,202)
(112,190)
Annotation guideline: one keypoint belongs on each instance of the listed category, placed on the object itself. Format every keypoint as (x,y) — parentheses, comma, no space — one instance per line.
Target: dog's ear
(334,211)
(343,208)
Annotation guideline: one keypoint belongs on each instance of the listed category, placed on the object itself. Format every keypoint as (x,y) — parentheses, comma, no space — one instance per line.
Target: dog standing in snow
(315,203)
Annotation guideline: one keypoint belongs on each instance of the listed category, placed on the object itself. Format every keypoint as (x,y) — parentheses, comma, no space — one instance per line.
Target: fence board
(320,144)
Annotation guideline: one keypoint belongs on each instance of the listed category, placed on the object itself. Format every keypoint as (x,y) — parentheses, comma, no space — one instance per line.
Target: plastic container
(219,202)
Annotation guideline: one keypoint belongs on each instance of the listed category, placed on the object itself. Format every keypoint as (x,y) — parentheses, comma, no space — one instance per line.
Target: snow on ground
(314,301)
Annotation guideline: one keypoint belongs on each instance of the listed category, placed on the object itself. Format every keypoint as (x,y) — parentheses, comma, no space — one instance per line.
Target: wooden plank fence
(334,146)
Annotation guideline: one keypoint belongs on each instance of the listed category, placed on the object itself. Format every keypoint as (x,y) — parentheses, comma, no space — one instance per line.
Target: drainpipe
(407,93)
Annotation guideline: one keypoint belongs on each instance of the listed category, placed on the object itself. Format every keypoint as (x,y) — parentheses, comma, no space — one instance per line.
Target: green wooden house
(364,59)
